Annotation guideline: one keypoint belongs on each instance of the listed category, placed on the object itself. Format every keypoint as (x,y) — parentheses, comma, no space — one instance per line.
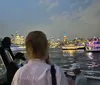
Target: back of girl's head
(36,45)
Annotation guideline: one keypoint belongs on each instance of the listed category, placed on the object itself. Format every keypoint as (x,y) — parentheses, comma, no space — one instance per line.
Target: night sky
(54,17)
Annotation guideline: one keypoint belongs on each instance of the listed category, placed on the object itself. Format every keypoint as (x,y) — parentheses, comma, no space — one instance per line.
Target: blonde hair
(36,45)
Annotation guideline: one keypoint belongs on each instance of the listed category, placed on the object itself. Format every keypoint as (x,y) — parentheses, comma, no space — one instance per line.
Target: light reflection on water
(89,61)
(68,52)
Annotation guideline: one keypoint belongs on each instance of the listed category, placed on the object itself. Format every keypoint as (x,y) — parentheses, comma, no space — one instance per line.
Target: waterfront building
(65,38)
(17,39)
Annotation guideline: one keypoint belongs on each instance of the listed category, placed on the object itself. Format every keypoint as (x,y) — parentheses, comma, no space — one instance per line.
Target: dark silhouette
(5,45)
(12,68)
(8,59)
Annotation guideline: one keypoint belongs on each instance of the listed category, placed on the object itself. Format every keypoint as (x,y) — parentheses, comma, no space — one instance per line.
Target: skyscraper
(65,38)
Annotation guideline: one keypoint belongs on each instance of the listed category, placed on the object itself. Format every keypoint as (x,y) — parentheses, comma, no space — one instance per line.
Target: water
(89,61)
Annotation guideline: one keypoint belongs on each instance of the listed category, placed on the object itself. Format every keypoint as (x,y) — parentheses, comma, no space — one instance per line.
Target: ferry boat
(93,46)
(69,47)
(80,46)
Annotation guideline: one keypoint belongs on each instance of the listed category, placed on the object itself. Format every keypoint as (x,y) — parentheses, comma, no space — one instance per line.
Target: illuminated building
(65,38)
(22,40)
(54,43)
(18,40)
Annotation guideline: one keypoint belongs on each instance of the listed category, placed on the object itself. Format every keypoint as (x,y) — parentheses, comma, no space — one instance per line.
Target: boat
(93,46)
(69,47)
(80,46)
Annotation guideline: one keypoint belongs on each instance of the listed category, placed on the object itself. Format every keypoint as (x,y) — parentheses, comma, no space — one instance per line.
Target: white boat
(93,46)
(69,47)
(80,47)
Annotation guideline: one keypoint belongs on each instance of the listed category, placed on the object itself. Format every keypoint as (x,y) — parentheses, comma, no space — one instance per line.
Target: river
(89,61)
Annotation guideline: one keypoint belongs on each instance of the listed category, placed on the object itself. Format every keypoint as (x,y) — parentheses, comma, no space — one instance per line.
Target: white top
(37,72)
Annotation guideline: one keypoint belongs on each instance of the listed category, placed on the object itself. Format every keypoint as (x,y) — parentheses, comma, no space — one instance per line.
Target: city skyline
(54,38)
(54,17)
